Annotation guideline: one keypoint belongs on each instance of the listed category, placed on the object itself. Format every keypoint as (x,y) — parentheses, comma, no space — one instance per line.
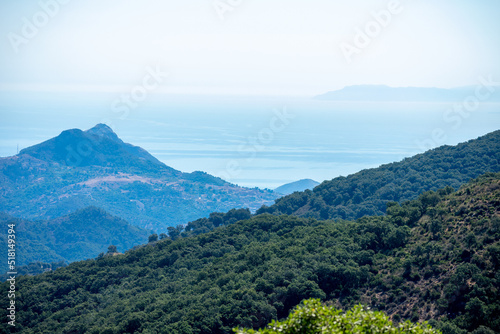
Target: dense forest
(434,258)
(34,268)
(78,236)
(367,192)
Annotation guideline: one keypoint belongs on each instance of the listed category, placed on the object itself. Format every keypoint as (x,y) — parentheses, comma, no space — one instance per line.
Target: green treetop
(312,317)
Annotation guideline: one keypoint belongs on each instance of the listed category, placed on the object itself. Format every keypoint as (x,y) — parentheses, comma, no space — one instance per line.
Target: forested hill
(368,191)
(80,235)
(435,258)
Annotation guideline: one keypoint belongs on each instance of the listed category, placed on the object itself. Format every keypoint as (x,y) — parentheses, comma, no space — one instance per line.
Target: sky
(246,47)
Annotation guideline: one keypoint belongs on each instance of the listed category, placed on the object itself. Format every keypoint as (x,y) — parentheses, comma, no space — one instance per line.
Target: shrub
(313,317)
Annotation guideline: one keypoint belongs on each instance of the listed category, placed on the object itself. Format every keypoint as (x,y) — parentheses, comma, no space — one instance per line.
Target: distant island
(411,94)
(300,185)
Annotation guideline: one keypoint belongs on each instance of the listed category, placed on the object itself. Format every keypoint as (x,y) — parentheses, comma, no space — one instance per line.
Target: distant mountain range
(78,236)
(79,168)
(411,94)
(300,185)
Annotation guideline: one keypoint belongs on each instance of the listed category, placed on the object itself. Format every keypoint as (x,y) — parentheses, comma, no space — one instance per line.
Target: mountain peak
(101,127)
(103,130)
(98,146)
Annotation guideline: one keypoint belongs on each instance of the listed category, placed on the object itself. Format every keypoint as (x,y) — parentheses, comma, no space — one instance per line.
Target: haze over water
(64,65)
(240,140)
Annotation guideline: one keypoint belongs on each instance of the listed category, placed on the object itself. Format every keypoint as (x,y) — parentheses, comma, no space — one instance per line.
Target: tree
(163,236)
(217,218)
(153,237)
(112,249)
(174,232)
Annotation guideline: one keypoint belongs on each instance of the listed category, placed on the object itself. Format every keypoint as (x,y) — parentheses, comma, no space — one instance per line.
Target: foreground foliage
(312,317)
(434,259)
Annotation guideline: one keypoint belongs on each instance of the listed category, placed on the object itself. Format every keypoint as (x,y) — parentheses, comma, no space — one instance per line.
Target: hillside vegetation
(78,236)
(367,192)
(435,258)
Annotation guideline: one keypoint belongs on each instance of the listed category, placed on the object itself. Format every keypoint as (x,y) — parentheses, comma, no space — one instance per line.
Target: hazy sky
(246,46)
(75,63)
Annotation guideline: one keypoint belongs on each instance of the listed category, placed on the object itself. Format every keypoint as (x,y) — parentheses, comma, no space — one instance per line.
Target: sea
(252,141)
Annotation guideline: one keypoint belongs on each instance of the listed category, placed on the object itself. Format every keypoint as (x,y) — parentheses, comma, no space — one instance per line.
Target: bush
(313,317)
